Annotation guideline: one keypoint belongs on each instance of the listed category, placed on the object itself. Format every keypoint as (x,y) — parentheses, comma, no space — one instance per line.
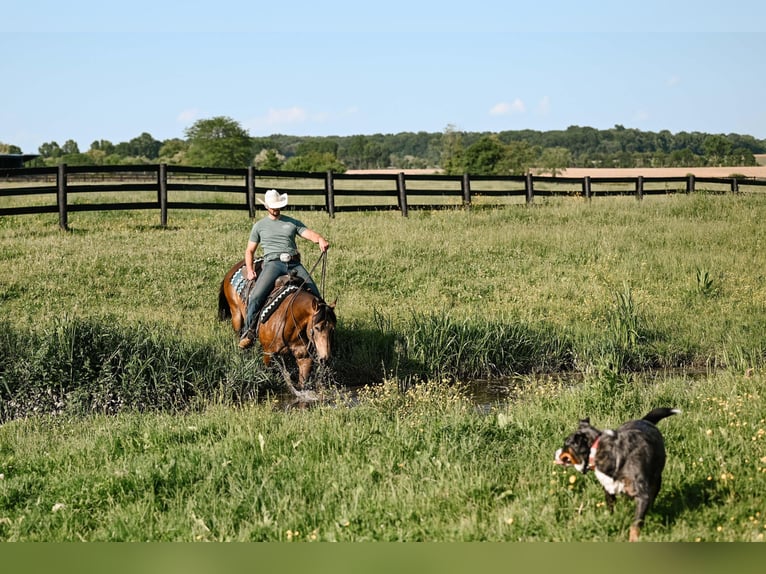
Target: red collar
(593,449)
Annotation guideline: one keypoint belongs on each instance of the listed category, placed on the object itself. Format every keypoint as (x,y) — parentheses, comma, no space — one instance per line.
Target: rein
(289,302)
(323,259)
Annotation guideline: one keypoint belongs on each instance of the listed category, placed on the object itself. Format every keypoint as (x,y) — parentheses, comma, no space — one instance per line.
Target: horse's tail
(224,312)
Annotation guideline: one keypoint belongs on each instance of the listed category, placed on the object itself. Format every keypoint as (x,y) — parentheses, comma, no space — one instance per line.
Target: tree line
(222,142)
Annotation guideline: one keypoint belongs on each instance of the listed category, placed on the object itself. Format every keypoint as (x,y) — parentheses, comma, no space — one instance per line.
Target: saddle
(283,286)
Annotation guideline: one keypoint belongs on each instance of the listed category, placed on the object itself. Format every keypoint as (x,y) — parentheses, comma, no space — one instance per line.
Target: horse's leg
(285,373)
(236,319)
(304,370)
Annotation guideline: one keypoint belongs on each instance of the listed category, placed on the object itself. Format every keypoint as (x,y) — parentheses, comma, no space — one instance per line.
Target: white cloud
(673,80)
(505,108)
(277,119)
(284,116)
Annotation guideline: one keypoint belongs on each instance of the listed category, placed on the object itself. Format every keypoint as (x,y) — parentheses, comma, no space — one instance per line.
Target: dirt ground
(754,171)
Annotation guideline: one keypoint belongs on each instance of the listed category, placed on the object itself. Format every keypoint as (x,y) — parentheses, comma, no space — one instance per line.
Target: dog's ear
(585,423)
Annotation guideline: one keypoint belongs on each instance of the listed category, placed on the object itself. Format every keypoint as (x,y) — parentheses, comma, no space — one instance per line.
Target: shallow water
(486,394)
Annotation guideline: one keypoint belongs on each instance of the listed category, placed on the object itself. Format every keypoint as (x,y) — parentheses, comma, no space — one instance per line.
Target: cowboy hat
(274,200)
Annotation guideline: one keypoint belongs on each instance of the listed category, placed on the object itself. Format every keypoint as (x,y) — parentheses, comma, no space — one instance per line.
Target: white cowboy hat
(274,200)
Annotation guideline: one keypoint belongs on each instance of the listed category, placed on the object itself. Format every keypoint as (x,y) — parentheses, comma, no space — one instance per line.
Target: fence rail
(314,191)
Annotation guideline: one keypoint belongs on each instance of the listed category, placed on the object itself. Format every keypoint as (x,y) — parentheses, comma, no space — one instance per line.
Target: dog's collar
(592,457)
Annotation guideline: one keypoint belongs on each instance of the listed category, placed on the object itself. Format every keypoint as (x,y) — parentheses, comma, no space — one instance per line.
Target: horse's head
(322,329)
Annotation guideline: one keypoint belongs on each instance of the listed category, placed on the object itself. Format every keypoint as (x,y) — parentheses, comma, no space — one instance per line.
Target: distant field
(754,171)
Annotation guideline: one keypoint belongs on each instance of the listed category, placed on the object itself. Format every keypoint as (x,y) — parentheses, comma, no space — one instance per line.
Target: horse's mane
(326,312)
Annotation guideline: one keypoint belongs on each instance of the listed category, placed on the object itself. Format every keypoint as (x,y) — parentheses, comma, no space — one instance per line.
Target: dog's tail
(656,415)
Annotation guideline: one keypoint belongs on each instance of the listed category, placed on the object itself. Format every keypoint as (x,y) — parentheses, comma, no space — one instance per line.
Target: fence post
(734,185)
(162,193)
(402,189)
(586,186)
(250,191)
(466,185)
(329,194)
(640,187)
(690,184)
(530,189)
(61,195)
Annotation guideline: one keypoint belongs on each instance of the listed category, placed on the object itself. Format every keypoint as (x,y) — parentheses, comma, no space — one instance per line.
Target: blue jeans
(264,283)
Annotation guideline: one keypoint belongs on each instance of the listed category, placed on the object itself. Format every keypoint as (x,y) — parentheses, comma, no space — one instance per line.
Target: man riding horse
(276,235)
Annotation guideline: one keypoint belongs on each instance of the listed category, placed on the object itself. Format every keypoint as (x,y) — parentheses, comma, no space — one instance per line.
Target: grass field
(129,414)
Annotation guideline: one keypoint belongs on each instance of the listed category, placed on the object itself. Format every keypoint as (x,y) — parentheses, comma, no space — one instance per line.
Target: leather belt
(285,257)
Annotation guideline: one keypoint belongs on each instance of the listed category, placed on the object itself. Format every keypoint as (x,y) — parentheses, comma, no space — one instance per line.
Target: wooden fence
(236,189)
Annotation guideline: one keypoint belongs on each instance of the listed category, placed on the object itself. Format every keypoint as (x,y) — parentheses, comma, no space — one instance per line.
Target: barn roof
(15,159)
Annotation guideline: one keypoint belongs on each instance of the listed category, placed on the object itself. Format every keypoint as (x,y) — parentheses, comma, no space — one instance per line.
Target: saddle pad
(276,300)
(239,279)
(239,282)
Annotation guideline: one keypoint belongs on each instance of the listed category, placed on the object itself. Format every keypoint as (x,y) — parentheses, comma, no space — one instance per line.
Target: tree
(218,142)
(9,148)
(173,151)
(377,155)
(555,159)
(70,147)
(49,150)
(452,151)
(741,156)
(314,162)
(269,159)
(145,146)
(355,151)
(716,149)
(485,157)
(103,146)
(320,145)
(519,158)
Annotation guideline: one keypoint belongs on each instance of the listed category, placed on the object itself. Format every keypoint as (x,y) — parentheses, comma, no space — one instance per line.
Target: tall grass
(128,413)
(425,465)
(119,306)
(84,366)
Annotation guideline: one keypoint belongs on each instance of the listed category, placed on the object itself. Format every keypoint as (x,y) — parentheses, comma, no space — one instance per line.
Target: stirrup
(247,339)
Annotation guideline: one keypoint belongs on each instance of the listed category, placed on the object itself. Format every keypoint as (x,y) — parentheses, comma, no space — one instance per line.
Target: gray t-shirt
(277,236)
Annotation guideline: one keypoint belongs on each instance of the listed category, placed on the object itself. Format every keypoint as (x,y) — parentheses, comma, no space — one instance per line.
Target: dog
(629,460)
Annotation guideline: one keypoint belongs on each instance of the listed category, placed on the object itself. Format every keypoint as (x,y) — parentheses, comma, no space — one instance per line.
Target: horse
(302,326)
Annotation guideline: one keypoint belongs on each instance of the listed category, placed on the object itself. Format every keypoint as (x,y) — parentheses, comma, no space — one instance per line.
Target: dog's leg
(642,505)
(610,498)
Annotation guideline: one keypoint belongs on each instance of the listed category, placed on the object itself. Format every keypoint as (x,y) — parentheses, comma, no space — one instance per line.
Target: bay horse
(302,326)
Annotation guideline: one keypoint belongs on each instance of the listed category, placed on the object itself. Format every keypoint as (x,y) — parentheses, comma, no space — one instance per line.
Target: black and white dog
(628,460)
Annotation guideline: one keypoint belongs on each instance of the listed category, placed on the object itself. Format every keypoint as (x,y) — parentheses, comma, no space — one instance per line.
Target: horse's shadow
(362,356)
(367,355)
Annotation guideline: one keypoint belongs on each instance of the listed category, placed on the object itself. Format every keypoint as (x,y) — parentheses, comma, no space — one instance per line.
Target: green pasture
(128,413)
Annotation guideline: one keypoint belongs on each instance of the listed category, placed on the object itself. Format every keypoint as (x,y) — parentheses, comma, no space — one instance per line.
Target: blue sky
(88,70)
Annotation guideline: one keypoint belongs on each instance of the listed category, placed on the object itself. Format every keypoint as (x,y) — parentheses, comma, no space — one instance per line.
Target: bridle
(322,310)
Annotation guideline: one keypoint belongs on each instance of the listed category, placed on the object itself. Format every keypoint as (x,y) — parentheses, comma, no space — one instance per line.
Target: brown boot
(247,339)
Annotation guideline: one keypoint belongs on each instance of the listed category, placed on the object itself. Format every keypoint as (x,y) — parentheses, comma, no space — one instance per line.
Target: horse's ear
(315,304)
(332,305)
